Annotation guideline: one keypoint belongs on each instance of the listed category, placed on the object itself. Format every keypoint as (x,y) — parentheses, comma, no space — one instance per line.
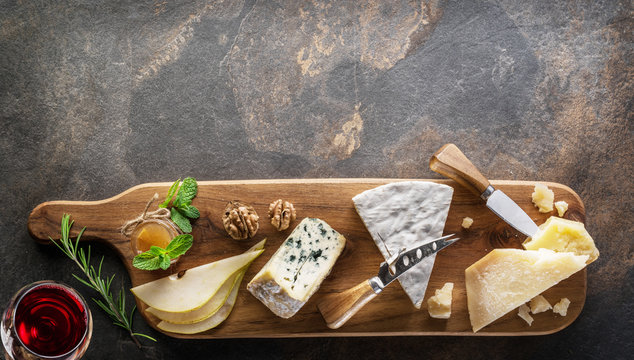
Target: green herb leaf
(158,257)
(179,245)
(165,261)
(156,250)
(181,221)
(146,261)
(187,192)
(113,306)
(170,194)
(190,211)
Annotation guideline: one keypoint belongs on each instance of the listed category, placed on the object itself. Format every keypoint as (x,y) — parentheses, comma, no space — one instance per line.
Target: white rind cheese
(296,270)
(406,214)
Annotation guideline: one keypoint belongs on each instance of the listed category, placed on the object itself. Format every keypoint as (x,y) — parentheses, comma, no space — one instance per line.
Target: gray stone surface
(96,97)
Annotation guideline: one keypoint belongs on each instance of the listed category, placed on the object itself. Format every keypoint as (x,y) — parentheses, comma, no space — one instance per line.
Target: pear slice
(196,287)
(212,321)
(204,311)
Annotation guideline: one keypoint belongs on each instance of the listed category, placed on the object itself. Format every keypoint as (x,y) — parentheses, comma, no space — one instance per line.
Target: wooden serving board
(390,313)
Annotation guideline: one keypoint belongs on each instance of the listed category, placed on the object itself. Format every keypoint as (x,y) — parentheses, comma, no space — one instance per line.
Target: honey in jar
(152,232)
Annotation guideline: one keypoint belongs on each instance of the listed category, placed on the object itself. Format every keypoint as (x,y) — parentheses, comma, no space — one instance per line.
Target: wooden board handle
(44,221)
(338,308)
(451,162)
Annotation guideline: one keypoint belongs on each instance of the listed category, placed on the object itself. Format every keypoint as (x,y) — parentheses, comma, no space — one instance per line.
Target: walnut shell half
(240,220)
(282,213)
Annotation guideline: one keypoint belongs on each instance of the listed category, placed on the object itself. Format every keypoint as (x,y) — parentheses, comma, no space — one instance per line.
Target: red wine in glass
(47,319)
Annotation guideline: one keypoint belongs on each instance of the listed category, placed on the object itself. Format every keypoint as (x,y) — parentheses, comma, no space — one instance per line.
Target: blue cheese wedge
(298,267)
(403,215)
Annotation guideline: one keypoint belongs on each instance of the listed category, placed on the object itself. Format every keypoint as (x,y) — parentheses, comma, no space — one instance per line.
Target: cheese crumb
(543,198)
(539,304)
(561,207)
(467,222)
(523,313)
(561,307)
(439,305)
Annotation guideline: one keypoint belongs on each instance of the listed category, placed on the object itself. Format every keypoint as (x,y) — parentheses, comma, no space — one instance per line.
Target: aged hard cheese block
(296,270)
(403,215)
(563,235)
(507,278)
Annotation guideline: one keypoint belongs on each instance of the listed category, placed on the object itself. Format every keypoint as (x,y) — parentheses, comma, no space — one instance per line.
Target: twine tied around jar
(161,213)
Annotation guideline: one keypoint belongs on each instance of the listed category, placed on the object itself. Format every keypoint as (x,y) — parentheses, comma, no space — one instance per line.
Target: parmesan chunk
(561,307)
(296,270)
(543,198)
(539,304)
(523,313)
(561,207)
(563,235)
(507,278)
(467,222)
(439,305)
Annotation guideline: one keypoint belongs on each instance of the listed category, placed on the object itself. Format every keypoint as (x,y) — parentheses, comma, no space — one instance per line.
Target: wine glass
(46,320)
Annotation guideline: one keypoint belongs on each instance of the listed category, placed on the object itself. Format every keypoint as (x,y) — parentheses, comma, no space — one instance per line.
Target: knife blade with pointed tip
(451,162)
(338,308)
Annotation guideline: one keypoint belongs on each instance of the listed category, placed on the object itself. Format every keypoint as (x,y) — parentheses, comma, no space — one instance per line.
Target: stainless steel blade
(510,212)
(408,259)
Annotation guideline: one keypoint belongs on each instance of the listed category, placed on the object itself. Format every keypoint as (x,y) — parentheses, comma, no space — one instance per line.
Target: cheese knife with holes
(339,308)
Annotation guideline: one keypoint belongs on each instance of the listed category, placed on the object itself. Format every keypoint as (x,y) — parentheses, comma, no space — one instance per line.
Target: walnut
(281,214)
(240,220)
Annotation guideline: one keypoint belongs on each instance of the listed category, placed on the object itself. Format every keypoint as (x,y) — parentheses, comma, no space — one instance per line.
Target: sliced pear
(209,323)
(211,306)
(204,311)
(196,287)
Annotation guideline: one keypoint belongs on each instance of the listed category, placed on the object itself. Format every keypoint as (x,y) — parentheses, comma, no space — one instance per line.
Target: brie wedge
(403,215)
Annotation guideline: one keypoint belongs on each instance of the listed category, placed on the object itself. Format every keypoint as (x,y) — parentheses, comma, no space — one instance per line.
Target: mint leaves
(180,195)
(182,209)
(158,257)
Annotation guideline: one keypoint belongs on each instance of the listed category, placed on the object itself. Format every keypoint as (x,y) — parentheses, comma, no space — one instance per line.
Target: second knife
(451,162)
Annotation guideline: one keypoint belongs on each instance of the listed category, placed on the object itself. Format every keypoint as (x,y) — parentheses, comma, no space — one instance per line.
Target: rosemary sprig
(115,308)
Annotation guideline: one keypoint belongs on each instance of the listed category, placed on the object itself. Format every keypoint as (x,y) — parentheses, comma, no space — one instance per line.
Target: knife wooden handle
(452,163)
(338,308)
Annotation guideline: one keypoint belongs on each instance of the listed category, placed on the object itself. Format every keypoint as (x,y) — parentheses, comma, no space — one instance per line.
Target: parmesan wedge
(507,278)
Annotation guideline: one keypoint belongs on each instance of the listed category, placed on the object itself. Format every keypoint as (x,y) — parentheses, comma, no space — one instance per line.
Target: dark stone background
(96,97)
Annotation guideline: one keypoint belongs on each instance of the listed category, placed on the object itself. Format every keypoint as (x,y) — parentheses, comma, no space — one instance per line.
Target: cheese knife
(451,162)
(339,308)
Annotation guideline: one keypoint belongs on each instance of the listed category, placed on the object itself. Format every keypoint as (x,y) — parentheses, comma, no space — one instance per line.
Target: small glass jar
(46,320)
(153,232)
